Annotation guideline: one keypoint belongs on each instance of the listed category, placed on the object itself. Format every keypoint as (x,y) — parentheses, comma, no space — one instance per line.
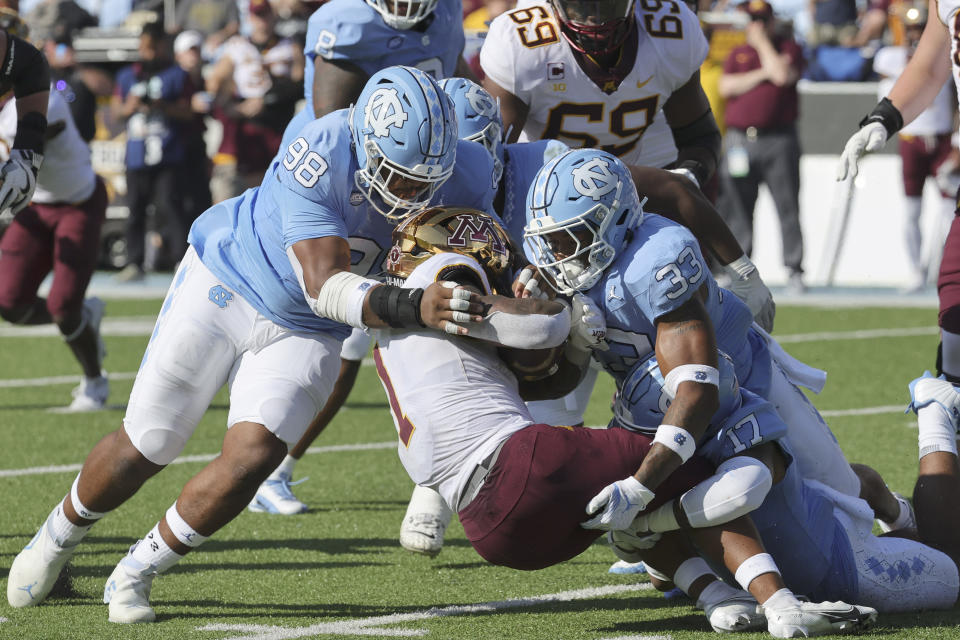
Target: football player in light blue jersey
(261,303)
(350,40)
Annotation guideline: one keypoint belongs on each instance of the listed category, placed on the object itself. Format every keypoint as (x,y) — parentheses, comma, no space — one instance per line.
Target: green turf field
(338,571)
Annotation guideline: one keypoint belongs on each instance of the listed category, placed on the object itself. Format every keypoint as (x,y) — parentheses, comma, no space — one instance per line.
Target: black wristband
(397,306)
(887,115)
(31,132)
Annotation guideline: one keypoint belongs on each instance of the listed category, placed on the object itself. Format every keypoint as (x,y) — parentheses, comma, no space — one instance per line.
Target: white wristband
(741,268)
(677,440)
(702,373)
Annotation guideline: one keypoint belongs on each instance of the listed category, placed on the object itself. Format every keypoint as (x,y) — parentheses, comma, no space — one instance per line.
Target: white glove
(871,137)
(588,327)
(617,505)
(627,546)
(18,179)
(747,285)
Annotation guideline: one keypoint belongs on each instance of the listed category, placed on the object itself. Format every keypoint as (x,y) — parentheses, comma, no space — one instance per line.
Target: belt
(479,474)
(752,133)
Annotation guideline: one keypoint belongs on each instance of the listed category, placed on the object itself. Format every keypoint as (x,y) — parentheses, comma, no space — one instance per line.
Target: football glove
(617,505)
(871,137)
(588,328)
(747,285)
(18,179)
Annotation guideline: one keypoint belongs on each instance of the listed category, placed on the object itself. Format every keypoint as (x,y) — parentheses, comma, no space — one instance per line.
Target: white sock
(285,470)
(782,599)
(61,530)
(937,432)
(950,352)
(153,551)
(716,591)
(903,516)
(689,571)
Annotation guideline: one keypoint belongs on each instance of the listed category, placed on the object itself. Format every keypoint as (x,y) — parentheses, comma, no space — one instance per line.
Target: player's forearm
(732,85)
(925,74)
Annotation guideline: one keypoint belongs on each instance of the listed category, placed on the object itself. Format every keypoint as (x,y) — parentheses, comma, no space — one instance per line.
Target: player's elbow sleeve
(739,487)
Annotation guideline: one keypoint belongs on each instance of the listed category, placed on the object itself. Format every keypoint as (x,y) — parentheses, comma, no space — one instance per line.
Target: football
(532,364)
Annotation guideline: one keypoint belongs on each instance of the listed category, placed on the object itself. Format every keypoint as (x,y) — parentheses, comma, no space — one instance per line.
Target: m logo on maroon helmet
(479,230)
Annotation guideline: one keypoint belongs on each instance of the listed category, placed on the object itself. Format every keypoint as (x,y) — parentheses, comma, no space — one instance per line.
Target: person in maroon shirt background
(759,82)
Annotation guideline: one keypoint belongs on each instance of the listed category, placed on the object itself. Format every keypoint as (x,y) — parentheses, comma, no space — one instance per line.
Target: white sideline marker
(371,626)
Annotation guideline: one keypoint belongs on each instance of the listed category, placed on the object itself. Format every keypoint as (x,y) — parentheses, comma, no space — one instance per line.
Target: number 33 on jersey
(526,54)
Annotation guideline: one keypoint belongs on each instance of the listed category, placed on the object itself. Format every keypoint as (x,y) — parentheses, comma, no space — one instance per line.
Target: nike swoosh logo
(850,615)
(641,85)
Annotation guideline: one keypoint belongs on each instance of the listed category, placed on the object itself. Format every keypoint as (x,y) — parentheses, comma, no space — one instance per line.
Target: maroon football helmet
(595,27)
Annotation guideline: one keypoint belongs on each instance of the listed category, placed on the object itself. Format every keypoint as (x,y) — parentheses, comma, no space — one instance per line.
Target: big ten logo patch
(471,228)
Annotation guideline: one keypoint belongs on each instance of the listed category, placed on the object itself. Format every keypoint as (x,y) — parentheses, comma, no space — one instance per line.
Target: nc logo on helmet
(481,102)
(594,179)
(383,111)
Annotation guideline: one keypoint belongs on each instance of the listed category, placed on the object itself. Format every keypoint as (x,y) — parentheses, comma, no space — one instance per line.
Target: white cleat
(128,592)
(423,533)
(35,570)
(736,614)
(275,496)
(818,619)
(90,395)
(425,522)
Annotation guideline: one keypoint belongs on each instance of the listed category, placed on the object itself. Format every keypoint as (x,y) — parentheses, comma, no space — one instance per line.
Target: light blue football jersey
(309,192)
(656,273)
(522,161)
(352,31)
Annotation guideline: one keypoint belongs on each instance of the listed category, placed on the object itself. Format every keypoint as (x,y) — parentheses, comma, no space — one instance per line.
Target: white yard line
(204,457)
(861,334)
(119,326)
(373,626)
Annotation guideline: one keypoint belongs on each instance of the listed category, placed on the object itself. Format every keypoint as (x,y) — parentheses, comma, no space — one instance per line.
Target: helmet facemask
(595,27)
(380,177)
(403,14)
(572,253)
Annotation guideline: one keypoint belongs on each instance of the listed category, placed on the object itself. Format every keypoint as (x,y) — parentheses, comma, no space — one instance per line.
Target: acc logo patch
(479,230)
(356,198)
(594,179)
(383,111)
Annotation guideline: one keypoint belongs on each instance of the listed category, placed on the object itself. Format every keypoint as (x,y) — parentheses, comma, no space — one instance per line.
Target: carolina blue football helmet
(478,117)
(403,14)
(579,209)
(405,137)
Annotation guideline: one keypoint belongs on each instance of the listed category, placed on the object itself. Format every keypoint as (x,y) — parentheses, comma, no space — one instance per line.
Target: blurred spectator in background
(58,231)
(217,20)
(56,18)
(255,85)
(874,22)
(197,166)
(834,22)
(153,97)
(924,145)
(69,81)
(475,26)
(759,82)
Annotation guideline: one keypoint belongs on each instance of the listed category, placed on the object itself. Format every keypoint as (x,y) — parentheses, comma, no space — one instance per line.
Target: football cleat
(926,390)
(90,395)
(818,618)
(425,522)
(128,592)
(35,570)
(737,614)
(622,567)
(275,496)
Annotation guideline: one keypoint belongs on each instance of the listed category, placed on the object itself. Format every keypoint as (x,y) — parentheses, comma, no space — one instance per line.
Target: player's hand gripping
(588,327)
(617,505)
(529,284)
(747,285)
(18,179)
(445,304)
(871,137)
